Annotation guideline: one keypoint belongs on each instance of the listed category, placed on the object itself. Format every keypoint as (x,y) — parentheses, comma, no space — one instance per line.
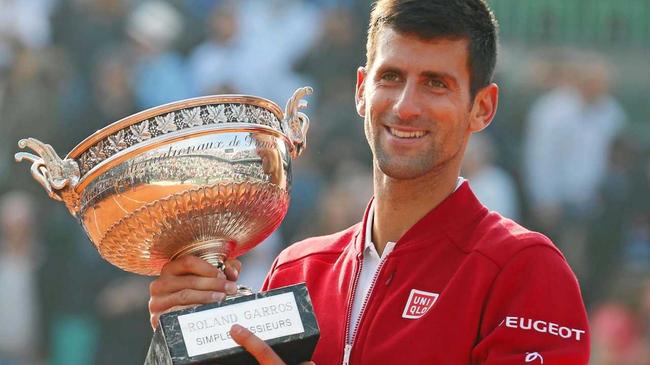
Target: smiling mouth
(406,134)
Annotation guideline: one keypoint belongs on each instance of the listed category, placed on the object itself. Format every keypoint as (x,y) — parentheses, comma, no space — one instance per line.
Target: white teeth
(402,134)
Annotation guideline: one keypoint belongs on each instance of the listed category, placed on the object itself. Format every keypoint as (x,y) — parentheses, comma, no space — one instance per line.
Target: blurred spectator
(30,104)
(110,98)
(160,74)
(215,64)
(335,55)
(331,64)
(637,242)
(620,322)
(83,29)
(636,237)
(121,304)
(20,332)
(346,198)
(277,33)
(570,130)
(112,94)
(569,134)
(306,188)
(252,46)
(23,22)
(72,277)
(605,239)
(616,337)
(492,184)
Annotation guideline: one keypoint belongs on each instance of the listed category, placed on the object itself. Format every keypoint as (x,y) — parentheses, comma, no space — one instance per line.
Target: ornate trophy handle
(295,122)
(53,173)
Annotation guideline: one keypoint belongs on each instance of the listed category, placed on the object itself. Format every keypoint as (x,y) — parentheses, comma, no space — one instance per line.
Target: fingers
(262,352)
(171,284)
(197,266)
(233,267)
(189,264)
(190,281)
(185,297)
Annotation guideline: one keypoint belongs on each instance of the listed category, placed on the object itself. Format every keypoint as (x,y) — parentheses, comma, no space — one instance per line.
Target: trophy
(209,177)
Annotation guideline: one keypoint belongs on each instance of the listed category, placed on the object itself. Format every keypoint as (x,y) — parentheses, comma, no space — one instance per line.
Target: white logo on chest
(418,304)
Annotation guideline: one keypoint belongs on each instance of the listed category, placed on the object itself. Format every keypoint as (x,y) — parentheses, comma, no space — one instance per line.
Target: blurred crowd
(565,156)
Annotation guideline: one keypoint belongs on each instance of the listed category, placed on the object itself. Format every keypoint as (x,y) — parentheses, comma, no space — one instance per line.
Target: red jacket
(462,286)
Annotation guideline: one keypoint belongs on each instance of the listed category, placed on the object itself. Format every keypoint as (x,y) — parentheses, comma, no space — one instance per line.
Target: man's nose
(407,106)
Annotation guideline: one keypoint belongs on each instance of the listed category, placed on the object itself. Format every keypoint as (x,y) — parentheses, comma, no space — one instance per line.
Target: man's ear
(484,107)
(359,96)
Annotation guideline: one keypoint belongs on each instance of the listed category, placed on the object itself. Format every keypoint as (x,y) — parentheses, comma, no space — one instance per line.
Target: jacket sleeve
(534,313)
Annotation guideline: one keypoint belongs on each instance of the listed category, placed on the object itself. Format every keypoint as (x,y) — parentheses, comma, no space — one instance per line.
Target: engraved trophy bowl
(208,176)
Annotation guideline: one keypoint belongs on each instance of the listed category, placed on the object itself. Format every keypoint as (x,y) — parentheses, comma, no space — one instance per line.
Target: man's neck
(399,204)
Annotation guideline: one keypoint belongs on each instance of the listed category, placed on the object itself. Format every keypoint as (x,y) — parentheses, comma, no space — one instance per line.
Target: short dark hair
(453,19)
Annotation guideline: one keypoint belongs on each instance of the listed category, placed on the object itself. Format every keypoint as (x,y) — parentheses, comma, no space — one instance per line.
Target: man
(429,276)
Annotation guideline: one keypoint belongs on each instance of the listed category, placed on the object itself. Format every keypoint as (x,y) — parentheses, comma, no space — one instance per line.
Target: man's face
(415,99)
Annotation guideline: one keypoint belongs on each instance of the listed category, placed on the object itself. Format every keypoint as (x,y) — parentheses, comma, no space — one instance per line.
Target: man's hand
(190,281)
(262,352)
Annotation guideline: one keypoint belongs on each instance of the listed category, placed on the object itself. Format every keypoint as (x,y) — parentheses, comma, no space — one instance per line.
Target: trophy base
(283,317)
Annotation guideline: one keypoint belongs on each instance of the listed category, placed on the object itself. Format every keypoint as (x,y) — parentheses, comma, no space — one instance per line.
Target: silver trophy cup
(208,177)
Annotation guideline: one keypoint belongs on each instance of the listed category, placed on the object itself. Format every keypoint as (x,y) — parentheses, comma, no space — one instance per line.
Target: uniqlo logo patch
(418,304)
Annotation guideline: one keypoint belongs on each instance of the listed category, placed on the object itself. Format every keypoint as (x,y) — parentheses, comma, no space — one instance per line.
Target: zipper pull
(346,354)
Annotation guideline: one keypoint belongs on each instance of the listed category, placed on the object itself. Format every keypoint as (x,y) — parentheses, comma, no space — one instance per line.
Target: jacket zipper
(348,346)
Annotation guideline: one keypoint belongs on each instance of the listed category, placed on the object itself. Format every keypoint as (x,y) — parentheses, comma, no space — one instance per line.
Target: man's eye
(436,83)
(390,76)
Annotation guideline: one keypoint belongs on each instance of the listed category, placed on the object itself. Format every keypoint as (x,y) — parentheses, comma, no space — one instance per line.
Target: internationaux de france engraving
(175,121)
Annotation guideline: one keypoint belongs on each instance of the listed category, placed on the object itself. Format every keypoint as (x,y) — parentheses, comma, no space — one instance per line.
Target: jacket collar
(450,218)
